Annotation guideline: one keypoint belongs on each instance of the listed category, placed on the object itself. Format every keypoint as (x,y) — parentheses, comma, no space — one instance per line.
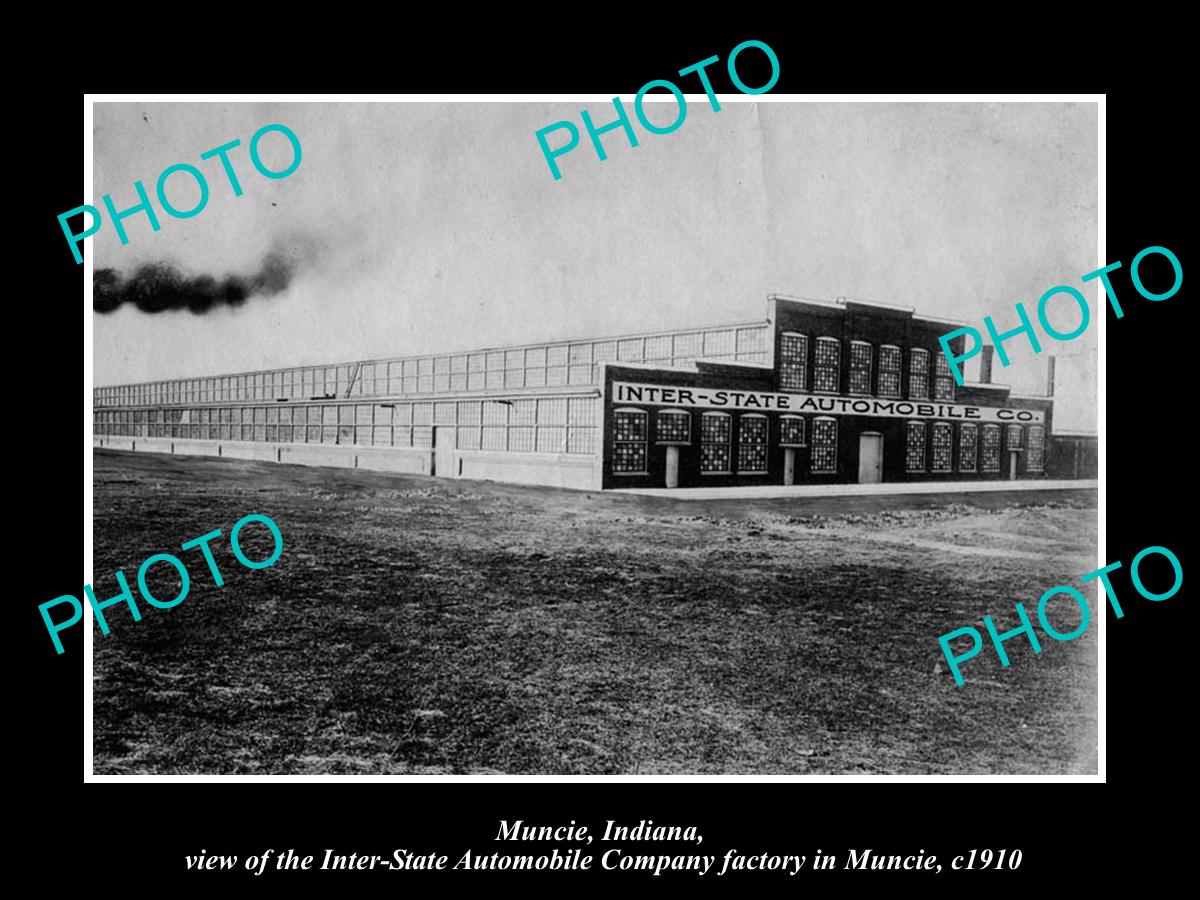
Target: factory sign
(696,398)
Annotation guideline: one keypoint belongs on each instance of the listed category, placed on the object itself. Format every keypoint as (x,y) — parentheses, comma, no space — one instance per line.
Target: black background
(138,834)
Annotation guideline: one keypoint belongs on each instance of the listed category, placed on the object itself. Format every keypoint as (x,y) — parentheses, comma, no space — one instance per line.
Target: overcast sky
(422,228)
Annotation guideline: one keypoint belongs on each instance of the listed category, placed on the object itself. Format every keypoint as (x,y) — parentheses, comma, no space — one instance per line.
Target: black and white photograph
(533,437)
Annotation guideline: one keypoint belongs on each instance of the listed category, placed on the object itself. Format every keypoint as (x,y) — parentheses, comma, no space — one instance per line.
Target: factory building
(820,392)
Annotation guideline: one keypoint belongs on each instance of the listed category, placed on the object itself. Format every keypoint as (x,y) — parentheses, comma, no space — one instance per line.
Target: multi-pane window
(968,436)
(751,344)
(889,371)
(719,344)
(329,424)
(658,349)
(715,431)
(551,425)
(943,446)
(381,432)
(495,425)
(581,422)
(918,375)
(629,440)
(522,436)
(752,443)
(791,431)
(991,448)
(943,379)
(345,425)
(860,367)
(914,451)
(1012,437)
(793,358)
(467,434)
(673,426)
(1035,455)
(824,445)
(827,364)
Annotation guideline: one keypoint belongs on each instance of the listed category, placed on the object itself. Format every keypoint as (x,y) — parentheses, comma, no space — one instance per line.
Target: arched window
(860,367)
(1013,437)
(968,438)
(943,379)
(991,448)
(1035,457)
(629,441)
(914,450)
(793,361)
(673,426)
(791,431)
(918,374)
(752,443)
(827,365)
(715,434)
(943,446)
(824,445)
(889,371)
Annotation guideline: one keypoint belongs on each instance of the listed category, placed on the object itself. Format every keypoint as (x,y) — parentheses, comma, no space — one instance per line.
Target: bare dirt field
(417,625)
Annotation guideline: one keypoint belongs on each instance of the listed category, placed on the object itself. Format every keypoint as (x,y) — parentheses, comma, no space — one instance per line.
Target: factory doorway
(870,457)
(443,451)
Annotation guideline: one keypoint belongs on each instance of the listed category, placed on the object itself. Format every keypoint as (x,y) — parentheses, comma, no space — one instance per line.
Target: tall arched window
(914,448)
(824,445)
(968,438)
(991,449)
(918,374)
(827,365)
(943,379)
(943,447)
(715,434)
(752,443)
(889,371)
(1035,457)
(629,441)
(793,361)
(860,367)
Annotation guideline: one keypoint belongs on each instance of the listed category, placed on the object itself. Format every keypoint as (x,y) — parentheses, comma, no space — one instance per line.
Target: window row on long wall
(729,443)
(930,446)
(543,425)
(525,367)
(873,371)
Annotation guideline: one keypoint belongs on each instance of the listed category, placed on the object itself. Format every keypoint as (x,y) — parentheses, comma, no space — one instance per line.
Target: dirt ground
(417,625)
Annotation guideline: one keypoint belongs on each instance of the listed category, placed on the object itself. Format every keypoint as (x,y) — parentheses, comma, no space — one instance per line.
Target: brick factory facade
(820,392)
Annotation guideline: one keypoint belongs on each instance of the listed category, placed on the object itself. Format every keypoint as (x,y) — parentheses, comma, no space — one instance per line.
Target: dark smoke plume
(157,287)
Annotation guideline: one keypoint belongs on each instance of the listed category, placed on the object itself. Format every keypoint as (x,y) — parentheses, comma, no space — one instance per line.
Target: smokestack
(1049,376)
(985,363)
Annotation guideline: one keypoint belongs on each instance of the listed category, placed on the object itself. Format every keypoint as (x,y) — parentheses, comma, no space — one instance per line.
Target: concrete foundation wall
(409,462)
(196,448)
(553,469)
(153,445)
(317,455)
(119,443)
(245,450)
